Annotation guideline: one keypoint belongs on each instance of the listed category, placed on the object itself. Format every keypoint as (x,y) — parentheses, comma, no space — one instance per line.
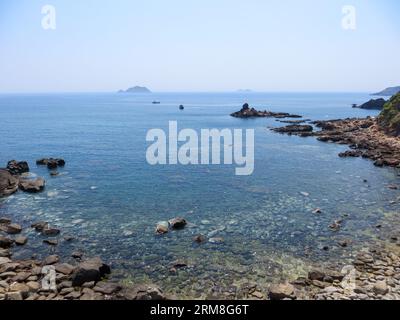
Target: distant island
(388,92)
(136,89)
(244,90)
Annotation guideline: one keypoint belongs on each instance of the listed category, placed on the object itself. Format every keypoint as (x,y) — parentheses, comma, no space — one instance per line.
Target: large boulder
(281,291)
(32,185)
(8,183)
(90,270)
(17,168)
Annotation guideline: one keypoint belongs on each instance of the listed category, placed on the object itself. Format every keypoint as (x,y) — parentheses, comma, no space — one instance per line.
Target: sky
(207,45)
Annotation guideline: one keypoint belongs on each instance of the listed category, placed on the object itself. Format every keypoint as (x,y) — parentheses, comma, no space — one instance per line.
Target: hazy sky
(193,45)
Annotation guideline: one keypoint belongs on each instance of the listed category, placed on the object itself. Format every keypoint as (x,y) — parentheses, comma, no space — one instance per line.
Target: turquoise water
(110,199)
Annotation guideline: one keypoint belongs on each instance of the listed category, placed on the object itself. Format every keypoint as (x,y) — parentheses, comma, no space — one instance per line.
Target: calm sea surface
(110,199)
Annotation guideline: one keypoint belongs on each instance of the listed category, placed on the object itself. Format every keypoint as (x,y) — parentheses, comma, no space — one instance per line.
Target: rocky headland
(373,138)
(373,104)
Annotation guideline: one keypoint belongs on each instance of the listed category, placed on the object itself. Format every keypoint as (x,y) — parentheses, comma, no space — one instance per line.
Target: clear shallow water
(110,199)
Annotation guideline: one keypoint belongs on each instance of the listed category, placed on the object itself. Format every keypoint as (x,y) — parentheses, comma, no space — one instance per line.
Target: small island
(136,89)
(373,104)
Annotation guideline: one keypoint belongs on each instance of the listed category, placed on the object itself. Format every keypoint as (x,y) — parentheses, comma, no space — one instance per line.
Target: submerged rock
(177,223)
(143,292)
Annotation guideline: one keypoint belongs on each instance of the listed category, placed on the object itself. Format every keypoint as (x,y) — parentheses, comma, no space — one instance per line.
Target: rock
(50,260)
(247,112)
(51,163)
(344,243)
(50,242)
(32,185)
(351,154)
(143,292)
(33,286)
(281,291)
(294,129)
(73,295)
(4,260)
(51,231)
(5,243)
(4,253)
(21,276)
(107,287)
(77,255)
(39,226)
(65,268)
(17,168)
(14,296)
(8,183)
(162,227)
(199,238)
(5,220)
(177,223)
(216,240)
(381,288)
(12,228)
(21,288)
(90,270)
(316,275)
(317,211)
(54,173)
(20,241)
(376,104)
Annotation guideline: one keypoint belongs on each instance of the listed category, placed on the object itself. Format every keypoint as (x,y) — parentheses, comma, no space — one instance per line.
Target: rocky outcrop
(373,104)
(8,183)
(51,163)
(389,119)
(302,130)
(247,112)
(365,137)
(17,168)
(32,185)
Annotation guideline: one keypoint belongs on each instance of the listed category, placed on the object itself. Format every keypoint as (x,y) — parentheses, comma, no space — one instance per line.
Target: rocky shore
(365,138)
(52,279)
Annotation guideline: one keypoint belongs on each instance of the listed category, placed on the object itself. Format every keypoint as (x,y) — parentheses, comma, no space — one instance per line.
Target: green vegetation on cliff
(389,119)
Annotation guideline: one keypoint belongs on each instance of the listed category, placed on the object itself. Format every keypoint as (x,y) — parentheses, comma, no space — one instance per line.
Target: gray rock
(32,185)
(8,183)
(177,223)
(5,242)
(90,270)
(281,291)
(381,288)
